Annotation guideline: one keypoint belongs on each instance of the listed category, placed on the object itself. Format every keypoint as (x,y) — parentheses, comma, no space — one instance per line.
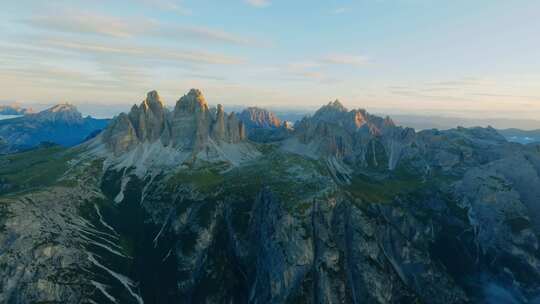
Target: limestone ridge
(254,117)
(264,126)
(334,131)
(190,127)
(63,112)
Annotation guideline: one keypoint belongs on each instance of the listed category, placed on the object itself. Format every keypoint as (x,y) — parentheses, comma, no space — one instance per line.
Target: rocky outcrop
(254,117)
(190,127)
(355,137)
(264,126)
(120,136)
(149,119)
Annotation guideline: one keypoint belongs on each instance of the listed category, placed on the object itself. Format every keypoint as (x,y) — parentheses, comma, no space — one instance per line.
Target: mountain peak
(65,112)
(62,107)
(189,128)
(153,97)
(154,103)
(331,111)
(191,102)
(255,117)
(337,105)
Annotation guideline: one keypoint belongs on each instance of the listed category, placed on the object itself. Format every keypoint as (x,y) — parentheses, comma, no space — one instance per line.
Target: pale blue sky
(470,58)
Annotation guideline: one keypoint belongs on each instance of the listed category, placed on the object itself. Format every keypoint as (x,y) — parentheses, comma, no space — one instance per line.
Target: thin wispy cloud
(109,26)
(136,45)
(258,3)
(168,5)
(207,35)
(302,65)
(339,10)
(89,23)
(528,97)
(142,52)
(345,59)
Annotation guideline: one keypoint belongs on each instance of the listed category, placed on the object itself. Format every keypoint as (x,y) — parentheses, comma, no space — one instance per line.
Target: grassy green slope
(34,169)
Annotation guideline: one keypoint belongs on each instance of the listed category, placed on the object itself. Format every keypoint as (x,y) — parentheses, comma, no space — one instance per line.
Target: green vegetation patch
(34,169)
(203,178)
(294,179)
(385,190)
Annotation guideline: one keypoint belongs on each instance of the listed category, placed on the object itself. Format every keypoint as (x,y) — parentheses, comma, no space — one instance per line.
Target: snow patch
(103,289)
(125,281)
(120,196)
(102,221)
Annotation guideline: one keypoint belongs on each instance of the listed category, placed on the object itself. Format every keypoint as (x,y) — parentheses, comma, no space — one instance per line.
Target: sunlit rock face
(254,117)
(355,136)
(189,127)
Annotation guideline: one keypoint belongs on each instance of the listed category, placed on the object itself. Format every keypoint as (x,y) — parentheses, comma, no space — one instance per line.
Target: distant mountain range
(61,124)
(14,109)
(521,136)
(424,122)
(514,130)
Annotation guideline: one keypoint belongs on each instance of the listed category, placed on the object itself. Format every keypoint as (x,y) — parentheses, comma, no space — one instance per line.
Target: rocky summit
(184,206)
(263,125)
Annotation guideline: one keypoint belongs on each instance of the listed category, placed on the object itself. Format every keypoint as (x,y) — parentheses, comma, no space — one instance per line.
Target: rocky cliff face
(355,137)
(254,117)
(64,112)
(264,126)
(348,208)
(190,127)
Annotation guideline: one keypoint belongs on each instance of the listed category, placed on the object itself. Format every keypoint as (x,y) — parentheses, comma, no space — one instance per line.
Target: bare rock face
(254,117)
(65,112)
(188,128)
(190,122)
(219,131)
(354,136)
(120,136)
(235,129)
(149,119)
(264,126)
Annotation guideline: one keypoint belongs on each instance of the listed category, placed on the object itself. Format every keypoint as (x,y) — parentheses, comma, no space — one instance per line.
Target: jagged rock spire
(192,102)
(188,128)
(219,130)
(148,119)
(154,102)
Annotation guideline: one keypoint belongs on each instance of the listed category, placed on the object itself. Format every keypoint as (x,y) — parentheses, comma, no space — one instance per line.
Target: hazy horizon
(408,57)
(419,120)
